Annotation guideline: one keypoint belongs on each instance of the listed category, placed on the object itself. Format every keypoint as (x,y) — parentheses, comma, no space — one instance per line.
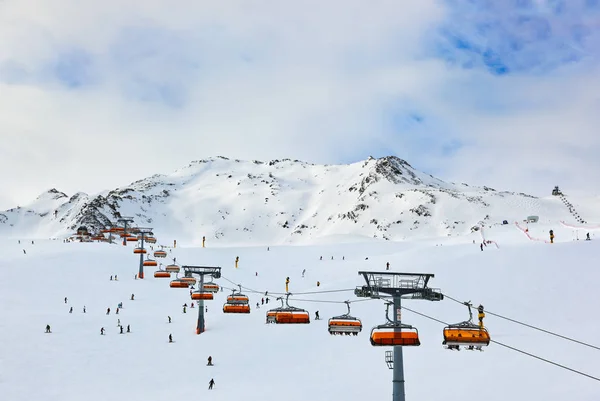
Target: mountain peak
(282,200)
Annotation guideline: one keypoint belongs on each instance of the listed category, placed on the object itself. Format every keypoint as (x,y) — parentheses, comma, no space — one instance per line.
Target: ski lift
(178,283)
(345,324)
(150,240)
(202,296)
(236,308)
(130,239)
(150,263)
(287,314)
(467,333)
(211,287)
(160,254)
(161,274)
(392,334)
(238,297)
(172,268)
(139,251)
(190,280)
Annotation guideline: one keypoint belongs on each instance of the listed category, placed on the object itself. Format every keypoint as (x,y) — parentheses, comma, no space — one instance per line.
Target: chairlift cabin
(345,324)
(237,297)
(150,240)
(130,238)
(466,334)
(211,287)
(150,263)
(393,334)
(172,268)
(178,283)
(161,274)
(202,296)
(236,308)
(190,280)
(160,254)
(287,314)
(139,251)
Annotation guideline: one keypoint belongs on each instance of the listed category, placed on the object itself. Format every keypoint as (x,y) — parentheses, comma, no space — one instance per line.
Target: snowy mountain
(285,201)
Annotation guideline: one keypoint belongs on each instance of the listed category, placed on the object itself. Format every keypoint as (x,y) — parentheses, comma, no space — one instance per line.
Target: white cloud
(167,83)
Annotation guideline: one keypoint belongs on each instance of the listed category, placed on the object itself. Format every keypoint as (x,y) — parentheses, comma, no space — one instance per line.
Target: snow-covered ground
(550,286)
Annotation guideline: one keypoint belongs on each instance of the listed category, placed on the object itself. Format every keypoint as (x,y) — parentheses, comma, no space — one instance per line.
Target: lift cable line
(531,326)
(284,293)
(513,348)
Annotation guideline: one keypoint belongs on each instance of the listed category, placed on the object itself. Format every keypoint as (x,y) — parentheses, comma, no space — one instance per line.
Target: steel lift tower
(397,286)
(201,271)
(143,233)
(125,221)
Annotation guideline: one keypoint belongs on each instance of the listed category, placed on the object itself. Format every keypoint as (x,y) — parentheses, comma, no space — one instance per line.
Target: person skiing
(71,310)
(66,297)
(170,338)
(108,311)
(121,329)
(169,318)
(111,278)
(117,312)
(83,308)
(481,246)
(317,315)
(102,331)
(587,237)
(387,266)
(118,322)
(211,383)
(48,329)
(128,329)
(184,308)
(209,361)
(262,301)
(303,271)
(132,297)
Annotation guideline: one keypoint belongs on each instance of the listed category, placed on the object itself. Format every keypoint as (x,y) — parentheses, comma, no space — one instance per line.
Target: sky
(95,95)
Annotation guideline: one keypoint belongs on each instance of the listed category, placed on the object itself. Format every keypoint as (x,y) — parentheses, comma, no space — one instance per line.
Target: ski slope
(551,286)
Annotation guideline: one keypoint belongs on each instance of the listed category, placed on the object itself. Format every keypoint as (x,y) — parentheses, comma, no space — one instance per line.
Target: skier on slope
(211,383)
